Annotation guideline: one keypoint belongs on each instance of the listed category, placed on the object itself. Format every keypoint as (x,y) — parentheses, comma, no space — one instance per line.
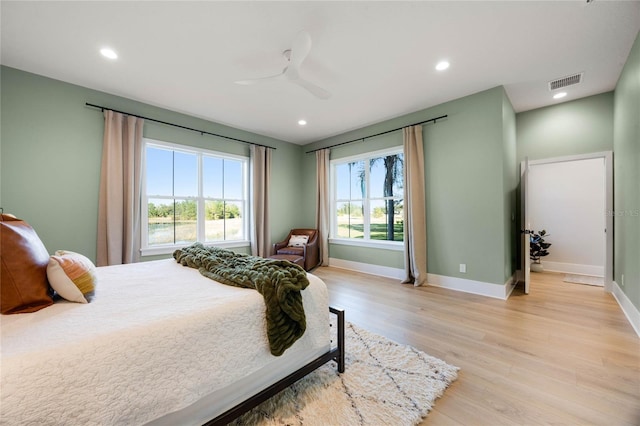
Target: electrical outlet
(463,268)
(622,280)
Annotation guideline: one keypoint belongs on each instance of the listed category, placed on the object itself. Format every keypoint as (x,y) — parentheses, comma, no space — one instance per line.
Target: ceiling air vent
(569,80)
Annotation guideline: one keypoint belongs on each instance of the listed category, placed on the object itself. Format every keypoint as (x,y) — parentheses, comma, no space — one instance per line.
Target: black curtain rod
(378,134)
(202,132)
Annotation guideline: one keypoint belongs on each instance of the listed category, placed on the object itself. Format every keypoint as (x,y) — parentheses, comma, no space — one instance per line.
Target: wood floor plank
(563,355)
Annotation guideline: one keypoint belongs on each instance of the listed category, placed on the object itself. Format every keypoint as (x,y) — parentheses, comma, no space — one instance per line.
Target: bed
(159,344)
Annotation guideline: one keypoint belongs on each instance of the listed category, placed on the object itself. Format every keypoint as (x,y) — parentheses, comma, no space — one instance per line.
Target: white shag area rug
(583,279)
(384,383)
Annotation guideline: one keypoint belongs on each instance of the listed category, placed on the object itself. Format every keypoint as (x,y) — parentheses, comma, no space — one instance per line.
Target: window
(367,197)
(190,195)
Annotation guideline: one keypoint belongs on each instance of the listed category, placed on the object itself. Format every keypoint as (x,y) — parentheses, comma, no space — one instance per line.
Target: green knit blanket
(279,282)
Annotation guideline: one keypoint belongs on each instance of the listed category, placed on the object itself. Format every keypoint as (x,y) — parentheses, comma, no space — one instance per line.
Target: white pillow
(298,240)
(72,276)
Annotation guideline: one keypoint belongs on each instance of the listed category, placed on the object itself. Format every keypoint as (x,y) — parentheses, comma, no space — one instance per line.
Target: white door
(525,230)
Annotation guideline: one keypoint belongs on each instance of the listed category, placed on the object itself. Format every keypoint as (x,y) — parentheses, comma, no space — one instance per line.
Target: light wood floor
(562,355)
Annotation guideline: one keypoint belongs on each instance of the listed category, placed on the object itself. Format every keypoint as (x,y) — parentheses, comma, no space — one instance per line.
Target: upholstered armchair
(309,250)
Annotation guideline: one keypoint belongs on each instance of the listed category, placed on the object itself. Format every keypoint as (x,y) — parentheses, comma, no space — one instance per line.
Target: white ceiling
(376,58)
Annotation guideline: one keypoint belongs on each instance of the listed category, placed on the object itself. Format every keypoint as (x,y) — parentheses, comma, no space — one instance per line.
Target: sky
(353,190)
(222,178)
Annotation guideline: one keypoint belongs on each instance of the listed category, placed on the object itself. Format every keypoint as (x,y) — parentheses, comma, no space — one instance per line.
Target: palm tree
(393,169)
(393,173)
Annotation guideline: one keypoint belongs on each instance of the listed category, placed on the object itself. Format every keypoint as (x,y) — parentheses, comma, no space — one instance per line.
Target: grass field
(161,231)
(377,231)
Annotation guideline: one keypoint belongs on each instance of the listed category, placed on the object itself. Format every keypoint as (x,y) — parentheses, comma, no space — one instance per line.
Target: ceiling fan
(294,56)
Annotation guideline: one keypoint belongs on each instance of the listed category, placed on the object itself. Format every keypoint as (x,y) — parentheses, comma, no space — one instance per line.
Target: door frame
(525,232)
(608,173)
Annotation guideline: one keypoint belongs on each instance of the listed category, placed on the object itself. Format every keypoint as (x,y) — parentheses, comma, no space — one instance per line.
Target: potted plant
(538,249)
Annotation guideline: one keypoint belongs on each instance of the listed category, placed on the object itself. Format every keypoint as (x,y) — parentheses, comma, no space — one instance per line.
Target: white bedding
(156,338)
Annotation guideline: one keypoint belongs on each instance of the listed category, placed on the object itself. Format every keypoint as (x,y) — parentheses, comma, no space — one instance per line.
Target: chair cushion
(298,240)
(298,251)
(298,260)
(23,276)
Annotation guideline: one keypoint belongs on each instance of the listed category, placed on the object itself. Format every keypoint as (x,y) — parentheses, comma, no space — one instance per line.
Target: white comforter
(156,338)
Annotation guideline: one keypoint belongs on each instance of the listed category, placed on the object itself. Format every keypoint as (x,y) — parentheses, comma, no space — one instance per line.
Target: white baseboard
(452,283)
(628,308)
(481,288)
(510,284)
(573,268)
(367,268)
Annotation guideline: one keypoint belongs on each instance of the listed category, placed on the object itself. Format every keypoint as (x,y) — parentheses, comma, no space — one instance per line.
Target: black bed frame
(334,354)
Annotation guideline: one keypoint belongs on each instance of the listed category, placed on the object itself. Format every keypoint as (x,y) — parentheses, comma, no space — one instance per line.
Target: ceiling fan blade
(316,91)
(300,48)
(260,80)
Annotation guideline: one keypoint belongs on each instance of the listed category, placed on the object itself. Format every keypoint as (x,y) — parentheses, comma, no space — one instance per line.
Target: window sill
(386,245)
(169,249)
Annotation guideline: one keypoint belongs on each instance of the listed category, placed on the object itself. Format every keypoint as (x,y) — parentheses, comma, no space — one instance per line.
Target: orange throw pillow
(72,276)
(23,280)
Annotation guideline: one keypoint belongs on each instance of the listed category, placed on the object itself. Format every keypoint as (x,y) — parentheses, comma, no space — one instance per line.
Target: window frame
(145,248)
(366,241)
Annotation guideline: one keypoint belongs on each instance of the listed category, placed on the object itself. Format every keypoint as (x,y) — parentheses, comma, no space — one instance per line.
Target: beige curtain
(322,204)
(415,220)
(261,177)
(120,190)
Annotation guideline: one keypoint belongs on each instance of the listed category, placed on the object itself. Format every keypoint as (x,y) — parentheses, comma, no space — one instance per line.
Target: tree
(186,210)
(214,210)
(153,212)
(232,211)
(393,169)
(393,174)
(161,210)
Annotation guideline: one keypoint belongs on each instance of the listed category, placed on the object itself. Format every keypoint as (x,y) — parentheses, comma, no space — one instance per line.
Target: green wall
(468,182)
(627,177)
(51,149)
(511,180)
(576,127)
(569,128)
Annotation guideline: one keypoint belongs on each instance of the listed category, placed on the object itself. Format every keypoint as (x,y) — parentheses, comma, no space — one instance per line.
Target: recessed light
(442,65)
(302,122)
(560,95)
(108,53)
